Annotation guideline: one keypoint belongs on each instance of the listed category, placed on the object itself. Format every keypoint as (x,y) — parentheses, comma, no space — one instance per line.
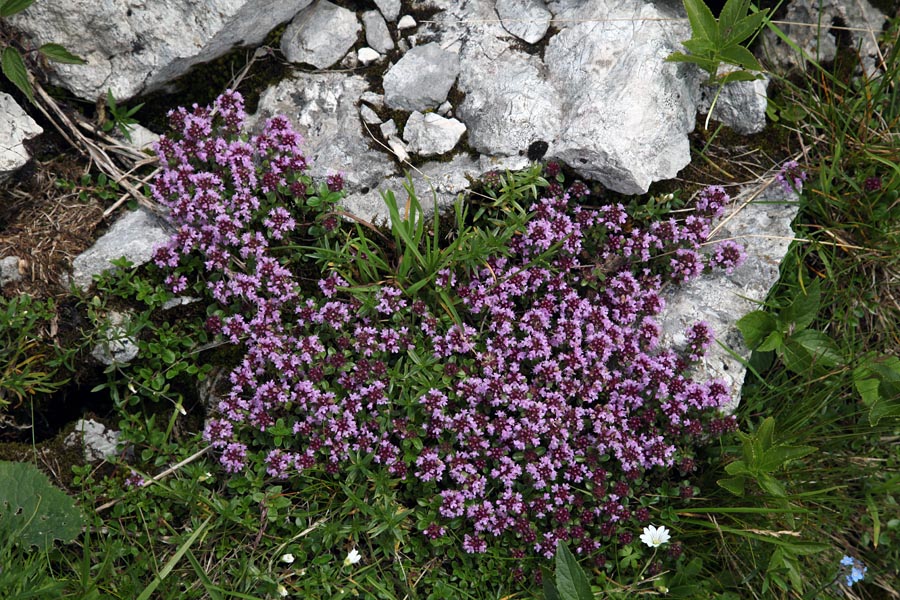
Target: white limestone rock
(388,129)
(372,99)
(367,55)
(763,227)
(528,20)
(421,79)
(859,16)
(369,116)
(116,346)
(406,22)
(136,47)
(398,148)
(431,134)
(389,8)
(377,34)
(324,108)
(15,127)
(98,442)
(134,235)
(741,105)
(9,270)
(320,35)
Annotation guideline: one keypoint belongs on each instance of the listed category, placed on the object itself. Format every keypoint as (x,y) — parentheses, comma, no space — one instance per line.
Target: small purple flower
(728,255)
(791,177)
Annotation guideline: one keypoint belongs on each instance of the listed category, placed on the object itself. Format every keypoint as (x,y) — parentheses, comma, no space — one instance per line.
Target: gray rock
(741,105)
(369,116)
(431,133)
(320,35)
(528,20)
(134,47)
(372,99)
(324,108)
(389,8)
(116,346)
(509,102)
(377,34)
(178,301)
(388,129)
(134,236)
(763,226)
(421,79)
(98,442)
(15,127)
(444,109)
(860,17)
(627,112)
(406,22)
(142,138)
(9,270)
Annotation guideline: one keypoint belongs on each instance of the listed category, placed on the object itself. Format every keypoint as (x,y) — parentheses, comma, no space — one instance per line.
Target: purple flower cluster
(544,415)
(791,177)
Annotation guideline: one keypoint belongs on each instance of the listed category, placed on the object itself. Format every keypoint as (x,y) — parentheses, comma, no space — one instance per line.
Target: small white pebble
(444,109)
(367,55)
(388,129)
(406,22)
(398,148)
(369,116)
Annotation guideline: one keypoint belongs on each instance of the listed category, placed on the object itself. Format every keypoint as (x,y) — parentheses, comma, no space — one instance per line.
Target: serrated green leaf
(735,485)
(13,68)
(732,12)
(707,64)
(735,76)
(571,582)
(701,47)
(756,327)
(32,508)
(771,485)
(738,55)
(778,456)
(703,23)
(11,7)
(57,53)
(746,27)
(884,408)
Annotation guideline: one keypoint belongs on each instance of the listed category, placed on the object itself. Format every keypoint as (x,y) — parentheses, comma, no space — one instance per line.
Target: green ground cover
(809,480)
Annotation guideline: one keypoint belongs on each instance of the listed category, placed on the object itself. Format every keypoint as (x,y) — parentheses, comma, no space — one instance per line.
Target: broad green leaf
(778,456)
(738,467)
(756,327)
(11,7)
(800,314)
(773,342)
(820,346)
(771,485)
(796,358)
(57,53)
(14,69)
(550,592)
(703,23)
(735,485)
(738,55)
(33,509)
(867,388)
(571,581)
